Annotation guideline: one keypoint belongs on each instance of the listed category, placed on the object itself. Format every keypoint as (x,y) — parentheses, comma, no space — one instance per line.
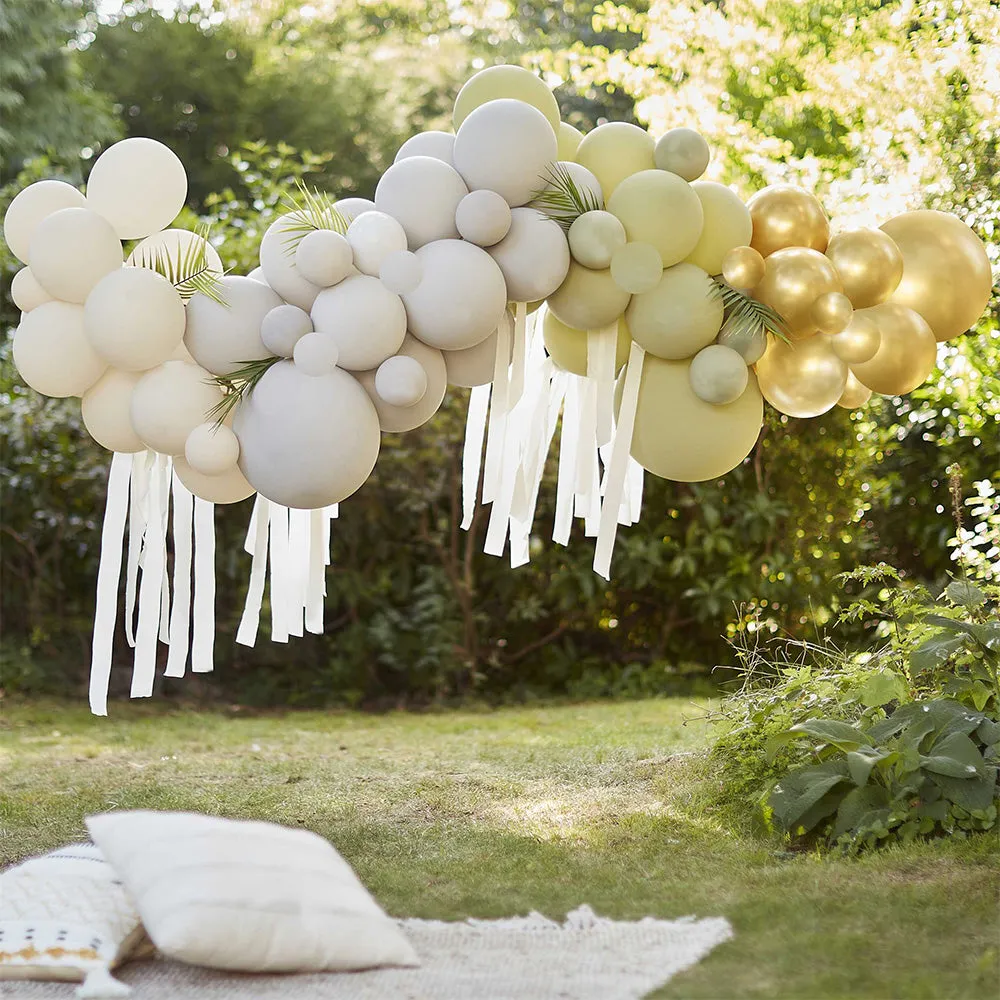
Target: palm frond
(239,383)
(746,314)
(312,210)
(562,199)
(188,270)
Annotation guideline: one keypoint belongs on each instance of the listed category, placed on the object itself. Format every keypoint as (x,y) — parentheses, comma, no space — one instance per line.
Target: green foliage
(561,198)
(747,315)
(188,270)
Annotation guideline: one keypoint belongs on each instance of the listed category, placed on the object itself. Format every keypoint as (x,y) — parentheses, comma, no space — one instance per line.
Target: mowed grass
(498,813)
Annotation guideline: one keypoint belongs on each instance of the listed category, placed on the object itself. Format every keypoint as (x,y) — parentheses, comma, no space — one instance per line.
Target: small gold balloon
(794,278)
(855,394)
(831,312)
(907,351)
(803,379)
(786,216)
(859,341)
(869,264)
(743,268)
(946,273)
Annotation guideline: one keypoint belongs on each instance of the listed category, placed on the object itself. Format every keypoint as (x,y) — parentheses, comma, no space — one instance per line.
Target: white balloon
(483,218)
(25,291)
(277,260)
(351,208)
(178,245)
(475,365)
(212,449)
(461,297)
(181,353)
(506,146)
(307,442)
(222,337)
(135,318)
(324,257)
(228,487)
(32,204)
(401,381)
(282,328)
(366,321)
(401,271)
(71,250)
(399,419)
(257,274)
(422,194)
(534,256)
(316,354)
(169,401)
(52,352)
(438,145)
(373,236)
(138,185)
(106,409)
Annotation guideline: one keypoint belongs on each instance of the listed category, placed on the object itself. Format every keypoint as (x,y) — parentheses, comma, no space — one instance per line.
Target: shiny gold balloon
(743,268)
(859,341)
(786,216)
(869,264)
(831,312)
(855,394)
(907,351)
(803,379)
(946,273)
(794,279)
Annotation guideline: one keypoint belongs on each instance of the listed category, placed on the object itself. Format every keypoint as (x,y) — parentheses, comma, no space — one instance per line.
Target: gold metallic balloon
(786,216)
(855,394)
(831,312)
(859,341)
(869,264)
(803,379)
(907,351)
(743,268)
(946,273)
(794,279)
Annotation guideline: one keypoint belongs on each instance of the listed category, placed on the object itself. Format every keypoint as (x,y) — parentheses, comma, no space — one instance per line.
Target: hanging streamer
(317,573)
(138,499)
(472,452)
(278,546)
(256,546)
(519,354)
(180,615)
(499,404)
(203,640)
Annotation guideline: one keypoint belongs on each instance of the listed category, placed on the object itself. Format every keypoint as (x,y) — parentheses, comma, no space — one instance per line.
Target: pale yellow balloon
(569,140)
(869,264)
(946,273)
(794,278)
(803,379)
(662,209)
(907,351)
(636,267)
(498,82)
(681,437)
(859,341)
(680,316)
(743,268)
(727,225)
(568,347)
(594,237)
(787,216)
(855,394)
(614,151)
(832,312)
(588,300)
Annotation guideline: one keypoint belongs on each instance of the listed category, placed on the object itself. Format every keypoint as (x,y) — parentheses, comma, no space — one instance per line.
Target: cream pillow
(251,896)
(66,916)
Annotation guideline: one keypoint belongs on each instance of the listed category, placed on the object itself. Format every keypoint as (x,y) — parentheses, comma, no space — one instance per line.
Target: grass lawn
(497,813)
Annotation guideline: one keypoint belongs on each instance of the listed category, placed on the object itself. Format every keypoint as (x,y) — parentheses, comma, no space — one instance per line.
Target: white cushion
(251,896)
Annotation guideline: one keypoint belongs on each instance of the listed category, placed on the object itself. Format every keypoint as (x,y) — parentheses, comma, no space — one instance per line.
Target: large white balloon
(178,245)
(53,354)
(138,185)
(71,250)
(106,409)
(372,237)
(366,321)
(438,145)
(28,207)
(324,257)
(169,402)
(277,259)
(307,442)
(483,218)
(399,419)
(282,327)
(461,297)
(534,256)
(401,380)
(26,292)
(222,337)
(506,146)
(474,365)
(227,487)
(351,208)
(135,318)
(422,193)
(212,449)
(401,271)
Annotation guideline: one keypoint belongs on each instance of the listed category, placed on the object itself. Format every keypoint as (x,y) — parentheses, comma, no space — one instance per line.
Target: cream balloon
(569,141)
(802,379)
(614,151)
(350,208)
(727,225)
(316,354)
(52,353)
(32,204)
(180,247)
(588,299)
(138,185)
(569,348)
(227,487)
(684,152)
(533,256)
(475,365)
(397,419)
(373,237)
(277,259)
(70,251)
(400,381)
(855,395)
(718,375)
(907,350)
(169,401)
(282,327)
(401,272)
(869,265)
(636,268)
(483,218)
(496,82)
(566,172)
(438,145)
(105,408)
(422,194)
(212,449)
(25,291)
(594,238)
(324,257)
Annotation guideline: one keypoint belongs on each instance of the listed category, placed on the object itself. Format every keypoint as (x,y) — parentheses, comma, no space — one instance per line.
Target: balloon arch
(589,284)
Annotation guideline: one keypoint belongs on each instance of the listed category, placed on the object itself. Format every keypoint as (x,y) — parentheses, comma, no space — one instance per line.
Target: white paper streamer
(278,546)
(138,501)
(472,452)
(601,349)
(316,586)
(298,569)
(256,545)
(203,641)
(180,615)
(498,413)
(152,562)
(520,353)
(569,446)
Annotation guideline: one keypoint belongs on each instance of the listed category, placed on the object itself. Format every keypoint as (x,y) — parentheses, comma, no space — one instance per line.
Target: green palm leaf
(746,314)
(189,270)
(239,383)
(562,199)
(312,210)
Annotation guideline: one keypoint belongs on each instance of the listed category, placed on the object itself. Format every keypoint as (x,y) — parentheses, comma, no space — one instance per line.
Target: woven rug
(525,958)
